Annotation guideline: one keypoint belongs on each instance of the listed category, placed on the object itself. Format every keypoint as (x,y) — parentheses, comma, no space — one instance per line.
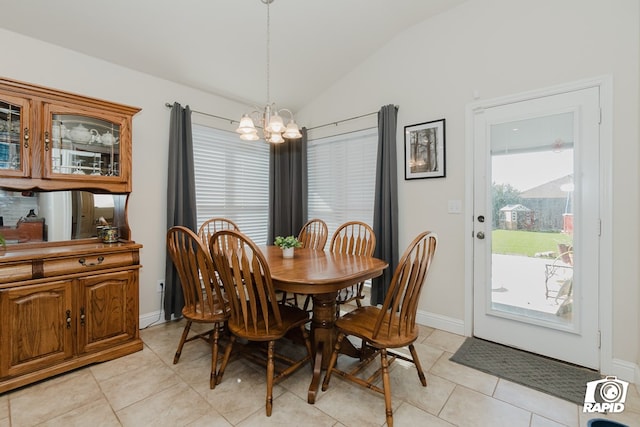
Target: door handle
(480,235)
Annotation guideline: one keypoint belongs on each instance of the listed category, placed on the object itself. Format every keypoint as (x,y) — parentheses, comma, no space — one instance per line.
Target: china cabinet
(68,297)
(54,140)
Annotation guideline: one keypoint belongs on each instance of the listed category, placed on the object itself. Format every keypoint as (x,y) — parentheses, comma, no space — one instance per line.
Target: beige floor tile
(539,421)
(212,418)
(405,386)
(242,392)
(95,414)
(548,406)
(129,387)
(289,410)
(347,402)
(175,406)
(51,398)
(463,375)
(468,408)
(427,354)
(4,406)
(409,415)
(444,340)
(130,363)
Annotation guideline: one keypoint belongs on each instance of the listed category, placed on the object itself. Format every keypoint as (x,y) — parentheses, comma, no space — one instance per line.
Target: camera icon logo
(605,395)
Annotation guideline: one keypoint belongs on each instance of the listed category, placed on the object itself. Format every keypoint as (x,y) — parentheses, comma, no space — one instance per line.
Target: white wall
(40,63)
(497,48)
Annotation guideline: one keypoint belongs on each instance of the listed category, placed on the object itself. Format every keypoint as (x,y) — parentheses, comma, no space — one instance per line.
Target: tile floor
(146,389)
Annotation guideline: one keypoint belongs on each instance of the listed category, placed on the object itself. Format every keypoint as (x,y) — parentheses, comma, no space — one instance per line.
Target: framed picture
(424,150)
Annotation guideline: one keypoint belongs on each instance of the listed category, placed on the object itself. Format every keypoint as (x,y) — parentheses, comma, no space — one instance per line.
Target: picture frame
(424,150)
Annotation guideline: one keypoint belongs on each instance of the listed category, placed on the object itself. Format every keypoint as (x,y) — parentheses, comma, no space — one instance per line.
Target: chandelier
(270,119)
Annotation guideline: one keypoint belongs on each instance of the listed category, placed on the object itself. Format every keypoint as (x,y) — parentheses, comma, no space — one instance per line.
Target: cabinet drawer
(15,272)
(85,263)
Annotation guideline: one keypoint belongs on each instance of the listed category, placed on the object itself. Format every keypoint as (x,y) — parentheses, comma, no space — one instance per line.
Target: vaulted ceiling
(219,46)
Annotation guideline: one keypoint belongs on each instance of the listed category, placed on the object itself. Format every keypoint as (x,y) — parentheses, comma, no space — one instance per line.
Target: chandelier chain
(268,52)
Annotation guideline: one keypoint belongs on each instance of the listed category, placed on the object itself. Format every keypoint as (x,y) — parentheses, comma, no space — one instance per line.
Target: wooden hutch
(67,299)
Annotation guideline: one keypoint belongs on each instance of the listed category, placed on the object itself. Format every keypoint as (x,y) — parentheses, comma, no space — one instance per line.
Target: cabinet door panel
(108,310)
(15,136)
(37,327)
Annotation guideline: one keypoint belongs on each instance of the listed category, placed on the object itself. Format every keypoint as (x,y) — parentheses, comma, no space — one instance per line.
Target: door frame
(605,259)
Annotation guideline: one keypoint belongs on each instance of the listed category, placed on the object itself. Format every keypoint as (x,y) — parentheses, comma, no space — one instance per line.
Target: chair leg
(307,302)
(386,384)
(270,372)
(332,361)
(225,358)
(215,335)
(416,362)
(185,333)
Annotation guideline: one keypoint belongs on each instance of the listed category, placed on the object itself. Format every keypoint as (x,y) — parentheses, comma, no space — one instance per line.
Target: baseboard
(449,324)
(153,318)
(625,370)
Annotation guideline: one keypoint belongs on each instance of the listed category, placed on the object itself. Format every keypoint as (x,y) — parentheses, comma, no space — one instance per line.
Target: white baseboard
(155,317)
(449,324)
(625,370)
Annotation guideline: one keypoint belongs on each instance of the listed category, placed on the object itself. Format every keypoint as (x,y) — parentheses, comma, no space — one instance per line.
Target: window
(232,180)
(342,177)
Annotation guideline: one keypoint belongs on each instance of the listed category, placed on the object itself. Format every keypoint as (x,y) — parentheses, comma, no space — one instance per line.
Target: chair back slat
(314,234)
(210,226)
(354,237)
(399,310)
(246,278)
(195,269)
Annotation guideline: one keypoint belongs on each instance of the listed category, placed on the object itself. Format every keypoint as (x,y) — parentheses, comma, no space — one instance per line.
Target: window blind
(232,180)
(342,178)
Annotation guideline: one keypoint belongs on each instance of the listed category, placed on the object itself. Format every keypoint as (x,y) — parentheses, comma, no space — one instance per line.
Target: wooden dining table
(320,274)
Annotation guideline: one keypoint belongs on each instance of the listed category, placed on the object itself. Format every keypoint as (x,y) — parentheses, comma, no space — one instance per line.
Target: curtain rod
(343,120)
(166,104)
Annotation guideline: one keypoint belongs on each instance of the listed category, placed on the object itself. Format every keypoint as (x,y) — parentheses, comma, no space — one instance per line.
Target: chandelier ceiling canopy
(270,118)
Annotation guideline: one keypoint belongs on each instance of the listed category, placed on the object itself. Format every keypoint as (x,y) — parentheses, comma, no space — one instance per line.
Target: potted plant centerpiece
(287,244)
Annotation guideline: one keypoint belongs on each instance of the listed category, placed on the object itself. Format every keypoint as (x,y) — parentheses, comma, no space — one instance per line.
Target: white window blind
(232,180)
(342,177)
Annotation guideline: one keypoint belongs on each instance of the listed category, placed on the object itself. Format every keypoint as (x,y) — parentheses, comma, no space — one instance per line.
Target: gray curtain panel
(288,187)
(181,198)
(385,208)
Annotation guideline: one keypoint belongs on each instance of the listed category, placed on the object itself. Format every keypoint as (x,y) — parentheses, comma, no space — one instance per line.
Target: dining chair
(204,300)
(212,225)
(390,327)
(313,235)
(256,315)
(355,238)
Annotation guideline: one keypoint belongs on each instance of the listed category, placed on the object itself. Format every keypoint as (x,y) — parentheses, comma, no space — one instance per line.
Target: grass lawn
(517,242)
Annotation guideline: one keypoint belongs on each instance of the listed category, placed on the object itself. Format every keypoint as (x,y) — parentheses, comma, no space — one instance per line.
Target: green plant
(287,242)
(3,242)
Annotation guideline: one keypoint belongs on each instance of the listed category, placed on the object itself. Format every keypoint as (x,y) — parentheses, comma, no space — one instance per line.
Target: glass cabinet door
(14,136)
(83,146)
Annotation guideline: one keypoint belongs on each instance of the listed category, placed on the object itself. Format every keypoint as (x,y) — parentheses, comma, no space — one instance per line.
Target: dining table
(321,274)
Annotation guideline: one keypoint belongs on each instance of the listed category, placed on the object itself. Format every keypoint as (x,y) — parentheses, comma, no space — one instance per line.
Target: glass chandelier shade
(270,119)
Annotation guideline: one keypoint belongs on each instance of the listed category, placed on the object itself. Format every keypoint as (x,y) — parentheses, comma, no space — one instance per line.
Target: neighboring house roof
(517,207)
(550,190)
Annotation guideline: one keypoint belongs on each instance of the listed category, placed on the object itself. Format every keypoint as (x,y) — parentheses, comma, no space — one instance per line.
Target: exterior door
(537,225)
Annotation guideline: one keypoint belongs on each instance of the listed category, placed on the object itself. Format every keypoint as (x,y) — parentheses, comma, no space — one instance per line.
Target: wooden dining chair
(355,238)
(210,226)
(256,314)
(313,235)
(204,301)
(391,326)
